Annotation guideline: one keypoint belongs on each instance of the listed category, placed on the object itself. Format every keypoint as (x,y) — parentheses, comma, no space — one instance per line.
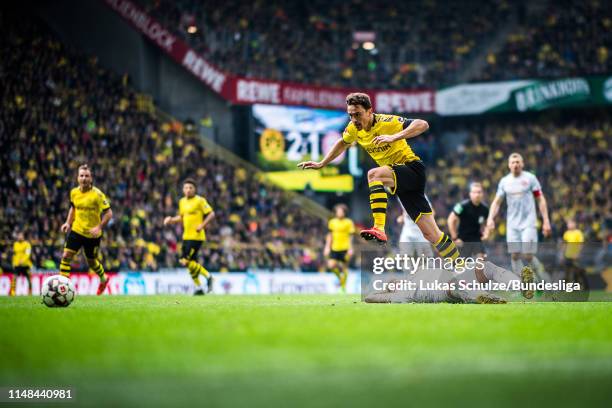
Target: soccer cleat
(374,234)
(198,292)
(209,284)
(102,286)
(527,276)
(489,299)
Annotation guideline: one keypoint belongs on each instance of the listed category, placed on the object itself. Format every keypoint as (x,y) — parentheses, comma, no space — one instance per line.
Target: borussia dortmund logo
(272,144)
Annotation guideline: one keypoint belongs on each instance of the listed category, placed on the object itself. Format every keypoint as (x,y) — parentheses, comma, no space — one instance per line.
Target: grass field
(308,351)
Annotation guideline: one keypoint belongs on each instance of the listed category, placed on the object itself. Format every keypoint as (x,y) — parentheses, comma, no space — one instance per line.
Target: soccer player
(466,220)
(195,213)
(400,170)
(520,189)
(89,213)
(412,241)
(339,244)
(22,262)
(574,240)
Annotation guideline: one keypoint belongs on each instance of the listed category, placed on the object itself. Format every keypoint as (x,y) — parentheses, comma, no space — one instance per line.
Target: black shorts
(190,249)
(341,256)
(471,248)
(22,270)
(410,188)
(91,246)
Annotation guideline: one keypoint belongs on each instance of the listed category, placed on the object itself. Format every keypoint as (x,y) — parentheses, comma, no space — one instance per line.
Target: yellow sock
(98,269)
(13,284)
(446,247)
(195,270)
(378,204)
(65,267)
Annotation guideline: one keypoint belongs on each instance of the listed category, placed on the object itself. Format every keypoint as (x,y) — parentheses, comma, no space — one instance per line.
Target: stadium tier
(412,44)
(60,108)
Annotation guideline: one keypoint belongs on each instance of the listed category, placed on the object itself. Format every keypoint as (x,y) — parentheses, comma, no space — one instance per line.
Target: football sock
(195,270)
(446,247)
(65,267)
(378,204)
(13,284)
(97,267)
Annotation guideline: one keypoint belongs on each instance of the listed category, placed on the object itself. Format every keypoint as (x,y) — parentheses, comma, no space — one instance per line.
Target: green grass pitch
(308,351)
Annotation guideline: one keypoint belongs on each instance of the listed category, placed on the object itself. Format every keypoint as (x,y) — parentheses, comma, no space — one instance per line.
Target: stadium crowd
(417,44)
(569,39)
(61,109)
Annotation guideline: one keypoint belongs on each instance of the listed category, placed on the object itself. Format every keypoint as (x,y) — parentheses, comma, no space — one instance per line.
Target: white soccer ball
(57,291)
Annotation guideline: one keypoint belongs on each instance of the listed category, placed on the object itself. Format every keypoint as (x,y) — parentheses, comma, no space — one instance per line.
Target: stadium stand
(418,44)
(61,108)
(568,39)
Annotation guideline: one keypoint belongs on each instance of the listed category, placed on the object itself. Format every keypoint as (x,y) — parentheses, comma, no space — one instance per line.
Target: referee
(466,220)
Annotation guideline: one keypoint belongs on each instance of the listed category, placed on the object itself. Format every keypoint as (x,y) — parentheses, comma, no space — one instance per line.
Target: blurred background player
(412,241)
(89,213)
(573,240)
(195,213)
(466,220)
(339,244)
(519,188)
(22,262)
(384,138)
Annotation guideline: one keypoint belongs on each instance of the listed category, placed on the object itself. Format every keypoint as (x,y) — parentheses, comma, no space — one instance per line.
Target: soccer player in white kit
(412,241)
(521,189)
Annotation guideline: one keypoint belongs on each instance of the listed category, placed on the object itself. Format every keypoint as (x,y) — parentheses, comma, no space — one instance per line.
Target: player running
(466,221)
(89,213)
(195,213)
(339,244)
(400,170)
(519,188)
(22,262)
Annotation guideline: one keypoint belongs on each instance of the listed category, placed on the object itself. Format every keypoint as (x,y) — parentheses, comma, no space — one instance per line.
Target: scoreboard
(287,135)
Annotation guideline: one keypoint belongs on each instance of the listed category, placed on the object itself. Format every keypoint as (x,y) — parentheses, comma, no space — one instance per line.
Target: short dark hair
(191,181)
(343,206)
(358,98)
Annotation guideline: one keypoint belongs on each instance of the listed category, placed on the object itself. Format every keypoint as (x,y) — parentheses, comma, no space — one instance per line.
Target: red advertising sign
(240,90)
(84,283)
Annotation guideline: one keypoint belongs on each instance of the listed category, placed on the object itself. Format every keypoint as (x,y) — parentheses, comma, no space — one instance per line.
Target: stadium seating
(418,44)
(60,109)
(569,39)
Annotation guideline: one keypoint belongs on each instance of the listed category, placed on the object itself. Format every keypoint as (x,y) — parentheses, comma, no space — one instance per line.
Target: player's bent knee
(377,173)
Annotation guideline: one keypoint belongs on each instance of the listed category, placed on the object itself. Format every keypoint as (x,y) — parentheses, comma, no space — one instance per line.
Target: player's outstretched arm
(66,226)
(335,151)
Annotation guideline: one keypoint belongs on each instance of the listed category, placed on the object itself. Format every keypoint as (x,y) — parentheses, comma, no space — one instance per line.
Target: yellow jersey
(341,230)
(574,240)
(21,254)
(193,210)
(88,207)
(398,152)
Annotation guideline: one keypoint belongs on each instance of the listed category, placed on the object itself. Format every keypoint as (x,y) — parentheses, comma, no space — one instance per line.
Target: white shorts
(524,241)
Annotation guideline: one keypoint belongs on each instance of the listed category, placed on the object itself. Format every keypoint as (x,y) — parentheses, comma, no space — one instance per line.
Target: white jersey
(519,193)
